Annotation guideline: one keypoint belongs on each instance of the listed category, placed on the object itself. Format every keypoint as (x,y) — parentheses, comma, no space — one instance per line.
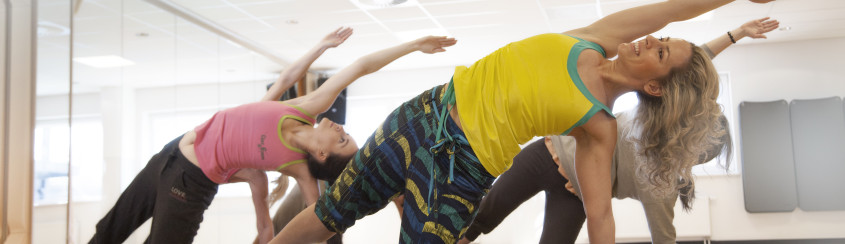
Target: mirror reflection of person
(238,145)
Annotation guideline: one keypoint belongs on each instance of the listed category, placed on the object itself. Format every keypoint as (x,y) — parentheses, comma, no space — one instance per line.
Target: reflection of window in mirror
(51,144)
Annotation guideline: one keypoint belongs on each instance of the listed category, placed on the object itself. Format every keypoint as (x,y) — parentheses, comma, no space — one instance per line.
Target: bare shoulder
(600,128)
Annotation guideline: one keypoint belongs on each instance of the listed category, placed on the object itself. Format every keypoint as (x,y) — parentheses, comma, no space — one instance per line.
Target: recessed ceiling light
(292,22)
(785,28)
(108,61)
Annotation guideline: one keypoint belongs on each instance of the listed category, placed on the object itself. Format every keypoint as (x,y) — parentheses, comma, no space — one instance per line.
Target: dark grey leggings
(533,171)
(171,190)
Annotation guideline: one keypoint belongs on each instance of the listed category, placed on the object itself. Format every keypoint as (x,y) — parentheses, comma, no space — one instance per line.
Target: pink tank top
(247,136)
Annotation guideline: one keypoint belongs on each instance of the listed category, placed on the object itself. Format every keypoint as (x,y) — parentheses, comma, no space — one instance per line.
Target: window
(52,145)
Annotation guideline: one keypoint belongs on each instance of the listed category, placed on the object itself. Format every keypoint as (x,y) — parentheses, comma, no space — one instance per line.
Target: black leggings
(171,190)
(533,170)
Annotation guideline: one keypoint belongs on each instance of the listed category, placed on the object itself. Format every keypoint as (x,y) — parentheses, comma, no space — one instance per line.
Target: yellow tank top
(525,89)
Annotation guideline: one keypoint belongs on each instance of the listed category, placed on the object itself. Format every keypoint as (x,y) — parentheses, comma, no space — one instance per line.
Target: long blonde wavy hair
(679,127)
(279,192)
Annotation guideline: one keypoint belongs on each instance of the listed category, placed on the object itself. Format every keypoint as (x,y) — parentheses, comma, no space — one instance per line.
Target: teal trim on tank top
(572,67)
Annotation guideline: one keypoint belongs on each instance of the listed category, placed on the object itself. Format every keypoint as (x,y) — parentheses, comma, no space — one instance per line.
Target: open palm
(337,37)
(434,44)
(756,28)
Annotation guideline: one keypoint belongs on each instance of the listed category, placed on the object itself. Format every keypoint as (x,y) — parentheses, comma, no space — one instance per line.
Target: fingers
(446,42)
(344,31)
(571,188)
(345,34)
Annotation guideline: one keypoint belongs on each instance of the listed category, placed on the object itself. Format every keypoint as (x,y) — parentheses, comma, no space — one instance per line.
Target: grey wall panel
(768,172)
(818,139)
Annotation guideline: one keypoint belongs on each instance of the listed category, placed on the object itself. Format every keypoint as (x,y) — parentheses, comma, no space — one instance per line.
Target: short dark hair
(328,170)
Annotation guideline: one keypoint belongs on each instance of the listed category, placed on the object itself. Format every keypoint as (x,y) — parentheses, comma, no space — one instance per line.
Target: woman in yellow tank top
(544,85)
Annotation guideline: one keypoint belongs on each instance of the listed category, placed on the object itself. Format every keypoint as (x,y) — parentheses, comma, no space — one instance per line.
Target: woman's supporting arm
(595,142)
(257,180)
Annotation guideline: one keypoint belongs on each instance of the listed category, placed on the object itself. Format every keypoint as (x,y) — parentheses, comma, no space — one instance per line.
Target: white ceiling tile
(93,9)
(162,20)
(245,25)
(240,2)
(529,19)
(410,25)
(558,3)
(320,20)
(272,38)
(742,9)
(445,1)
(462,8)
(221,13)
(490,18)
(804,5)
(195,4)
(608,8)
(138,6)
(56,12)
(366,29)
(388,14)
(573,12)
(562,26)
(286,8)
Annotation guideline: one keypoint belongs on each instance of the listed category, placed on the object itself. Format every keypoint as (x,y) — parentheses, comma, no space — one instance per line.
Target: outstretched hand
(756,28)
(337,37)
(434,44)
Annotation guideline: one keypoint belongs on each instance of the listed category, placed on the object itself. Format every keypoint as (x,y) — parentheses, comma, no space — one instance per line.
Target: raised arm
(258,186)
(319,101)
(631,24)
(297,70)
(754,29)
(593,154)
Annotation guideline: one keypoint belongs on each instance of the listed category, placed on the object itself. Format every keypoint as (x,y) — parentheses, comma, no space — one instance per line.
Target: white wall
(765,72)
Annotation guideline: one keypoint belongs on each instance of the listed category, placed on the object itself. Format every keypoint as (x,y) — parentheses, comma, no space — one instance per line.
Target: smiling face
(651,58)
(332,139)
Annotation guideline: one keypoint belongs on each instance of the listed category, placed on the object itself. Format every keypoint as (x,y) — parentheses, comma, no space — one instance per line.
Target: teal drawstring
(449,142)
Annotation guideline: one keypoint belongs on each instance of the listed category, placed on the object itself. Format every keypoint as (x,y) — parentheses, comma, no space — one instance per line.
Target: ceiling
(168,49)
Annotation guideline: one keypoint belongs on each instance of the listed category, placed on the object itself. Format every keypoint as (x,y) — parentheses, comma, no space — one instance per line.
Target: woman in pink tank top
(240,143)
